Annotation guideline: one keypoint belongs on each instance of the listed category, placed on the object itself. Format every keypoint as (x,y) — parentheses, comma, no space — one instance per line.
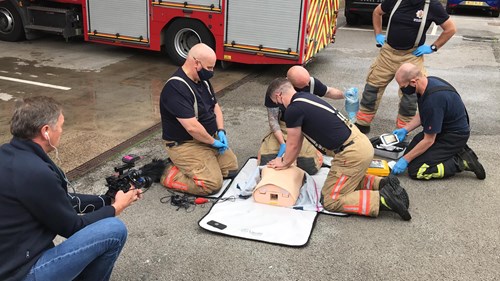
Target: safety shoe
(394,198)
(394,182)
(155,169)
(389,179)
(471,163)
(362,128)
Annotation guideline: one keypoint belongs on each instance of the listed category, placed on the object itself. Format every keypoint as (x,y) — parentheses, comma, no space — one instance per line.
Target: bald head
(407,72)
(200,56)
(298,76)
(202,52)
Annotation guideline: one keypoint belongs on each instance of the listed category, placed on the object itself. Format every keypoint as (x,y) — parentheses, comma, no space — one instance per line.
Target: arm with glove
(449,30)
(221,133)
(417,150)
(377,25)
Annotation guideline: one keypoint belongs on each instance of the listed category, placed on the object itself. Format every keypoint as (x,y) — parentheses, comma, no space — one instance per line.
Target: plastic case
(395,154)
(379,167)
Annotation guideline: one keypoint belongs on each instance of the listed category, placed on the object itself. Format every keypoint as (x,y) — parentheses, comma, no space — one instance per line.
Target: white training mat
(245,218)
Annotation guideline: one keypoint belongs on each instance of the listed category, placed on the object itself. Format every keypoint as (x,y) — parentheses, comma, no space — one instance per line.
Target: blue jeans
(89,254)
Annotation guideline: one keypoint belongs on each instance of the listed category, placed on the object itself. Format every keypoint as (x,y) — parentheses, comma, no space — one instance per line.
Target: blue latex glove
(380,38)
(222,137)
(400,166)
(401,133)
(282,150)
(223,149)
(422,50)
(220,146)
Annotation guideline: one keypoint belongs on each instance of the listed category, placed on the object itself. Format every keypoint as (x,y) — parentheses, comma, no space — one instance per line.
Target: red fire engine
(243,31)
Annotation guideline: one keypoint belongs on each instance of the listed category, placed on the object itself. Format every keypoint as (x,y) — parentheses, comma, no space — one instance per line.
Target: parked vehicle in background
(485,5)
(252,32)
(358,10)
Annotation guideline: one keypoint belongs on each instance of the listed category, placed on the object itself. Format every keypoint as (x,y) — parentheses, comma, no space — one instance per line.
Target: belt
(342,147)
(174,143)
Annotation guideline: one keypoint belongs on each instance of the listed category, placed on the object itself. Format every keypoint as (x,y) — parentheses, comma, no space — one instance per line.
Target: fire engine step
(45,28)
(48,9)
(65,22)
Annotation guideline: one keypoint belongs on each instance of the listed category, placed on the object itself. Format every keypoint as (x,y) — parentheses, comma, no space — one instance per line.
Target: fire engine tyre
(11,25)
(495,13)
(184,34)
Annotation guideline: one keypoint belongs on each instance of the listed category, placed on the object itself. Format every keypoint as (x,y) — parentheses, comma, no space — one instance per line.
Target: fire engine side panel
(207,3)
(127,19)
(268,25)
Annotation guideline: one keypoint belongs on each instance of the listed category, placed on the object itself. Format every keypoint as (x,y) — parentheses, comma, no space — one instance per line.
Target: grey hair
(31,114)
(277,85)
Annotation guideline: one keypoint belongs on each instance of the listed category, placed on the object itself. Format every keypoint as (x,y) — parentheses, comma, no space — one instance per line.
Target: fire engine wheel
(182,35)
(11,25)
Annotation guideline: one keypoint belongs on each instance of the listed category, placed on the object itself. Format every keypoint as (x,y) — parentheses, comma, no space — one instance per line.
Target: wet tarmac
(109,94)
(454,231)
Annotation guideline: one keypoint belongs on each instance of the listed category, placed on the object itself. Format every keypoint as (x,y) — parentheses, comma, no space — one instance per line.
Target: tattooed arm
(274,124)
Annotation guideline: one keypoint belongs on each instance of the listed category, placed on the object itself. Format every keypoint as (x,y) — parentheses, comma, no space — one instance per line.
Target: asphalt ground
(455,230)
(454,233)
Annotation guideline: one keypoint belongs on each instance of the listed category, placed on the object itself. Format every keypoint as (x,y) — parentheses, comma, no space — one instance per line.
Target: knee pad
(408,105)
(308,165)
(266,158)
(369,98)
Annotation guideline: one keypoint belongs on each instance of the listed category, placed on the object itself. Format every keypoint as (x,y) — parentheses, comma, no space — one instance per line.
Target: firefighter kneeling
(193,128)
(309,158)
(347,187)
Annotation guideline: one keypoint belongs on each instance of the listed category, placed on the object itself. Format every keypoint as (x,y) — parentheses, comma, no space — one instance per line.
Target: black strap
(342,147)
(450,88)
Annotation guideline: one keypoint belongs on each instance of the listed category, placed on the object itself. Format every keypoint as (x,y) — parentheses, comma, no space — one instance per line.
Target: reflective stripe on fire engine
(186,6)
(258,49)
(114,36)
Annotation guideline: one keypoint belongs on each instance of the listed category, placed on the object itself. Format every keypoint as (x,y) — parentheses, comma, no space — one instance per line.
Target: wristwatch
(434,48)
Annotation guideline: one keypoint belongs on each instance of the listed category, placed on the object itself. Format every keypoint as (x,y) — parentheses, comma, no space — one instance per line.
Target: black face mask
(205,74)
(408,90)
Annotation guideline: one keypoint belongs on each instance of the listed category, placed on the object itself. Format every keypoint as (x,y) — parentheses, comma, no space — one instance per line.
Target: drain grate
(480,38)
(103,157)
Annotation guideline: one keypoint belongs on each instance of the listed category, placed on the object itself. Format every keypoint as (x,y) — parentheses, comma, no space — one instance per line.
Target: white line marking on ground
(5,97)
(35,83)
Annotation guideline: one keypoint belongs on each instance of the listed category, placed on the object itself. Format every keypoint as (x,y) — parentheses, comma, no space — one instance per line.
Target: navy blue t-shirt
(442,111)
(177,101)
(318,124)
(405,22)
(320,90)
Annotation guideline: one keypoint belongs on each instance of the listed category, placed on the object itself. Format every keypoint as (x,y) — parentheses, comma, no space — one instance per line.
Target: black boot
(362,128)
(393,181)
(393,198)
(470,162)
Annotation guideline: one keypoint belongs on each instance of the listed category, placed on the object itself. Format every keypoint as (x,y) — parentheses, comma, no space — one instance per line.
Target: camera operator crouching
(35,207)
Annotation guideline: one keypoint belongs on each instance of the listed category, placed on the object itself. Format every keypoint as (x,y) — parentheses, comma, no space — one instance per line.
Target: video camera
(127,176)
